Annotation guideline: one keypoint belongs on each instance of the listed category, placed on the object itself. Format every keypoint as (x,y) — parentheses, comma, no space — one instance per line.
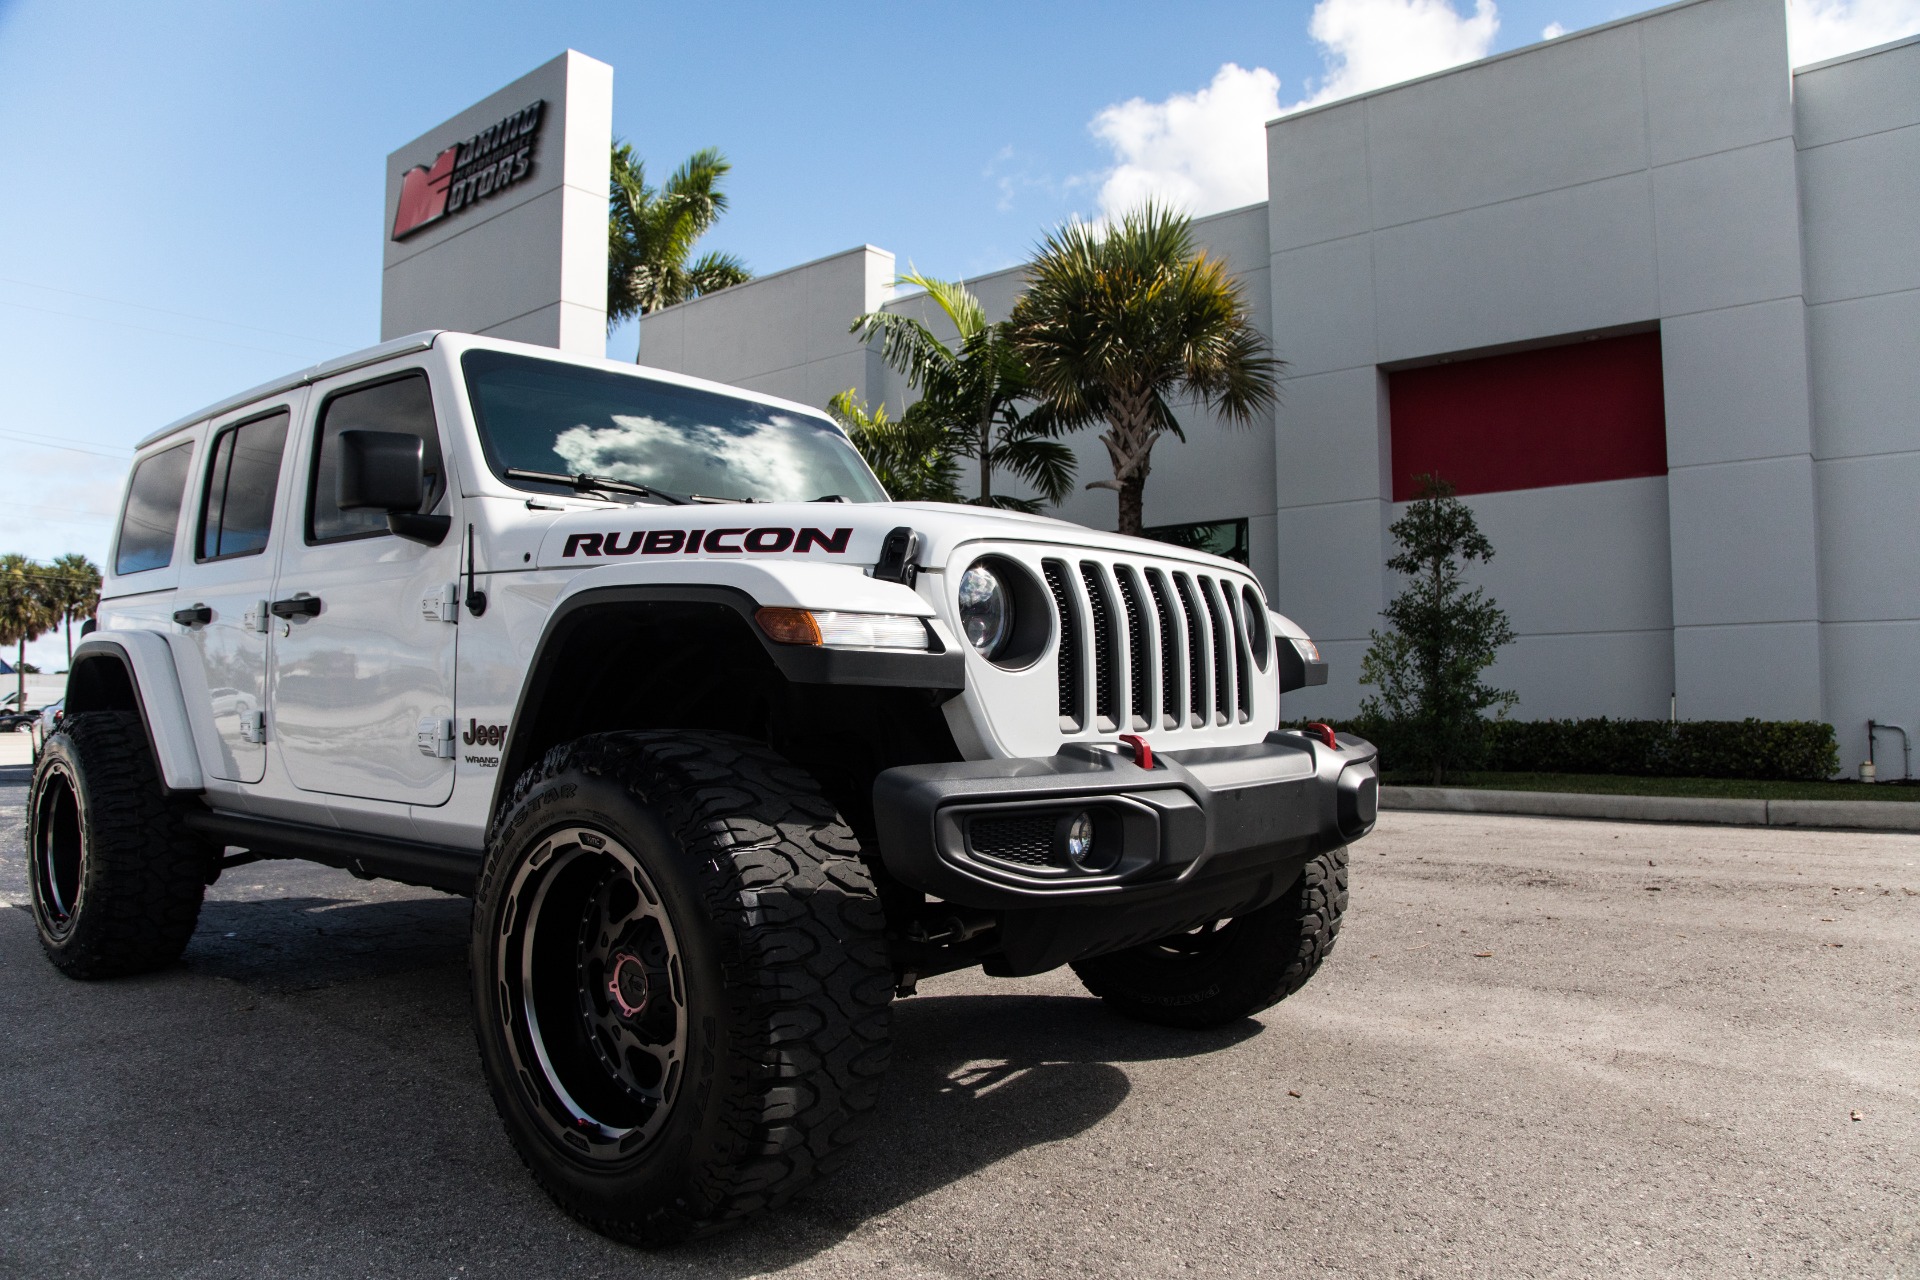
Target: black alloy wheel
(594,990)
(57,851)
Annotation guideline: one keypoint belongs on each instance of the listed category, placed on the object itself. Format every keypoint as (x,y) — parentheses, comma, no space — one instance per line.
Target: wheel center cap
(628,985)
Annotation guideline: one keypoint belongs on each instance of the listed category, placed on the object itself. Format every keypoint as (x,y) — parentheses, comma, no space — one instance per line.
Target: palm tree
(1118,321)
(909,454)
(975,390)
(73,587)
(651,234)
(25,611)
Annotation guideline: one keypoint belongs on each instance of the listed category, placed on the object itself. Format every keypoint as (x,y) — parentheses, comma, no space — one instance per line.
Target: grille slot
(1022,840)
(1222,652)
(1138,647)
(1242,654)
(1106,693)
(1170,682)
(1070,702)
(1199,653)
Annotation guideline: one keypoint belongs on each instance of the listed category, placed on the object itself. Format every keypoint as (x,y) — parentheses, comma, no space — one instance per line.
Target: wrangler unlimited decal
(667,542)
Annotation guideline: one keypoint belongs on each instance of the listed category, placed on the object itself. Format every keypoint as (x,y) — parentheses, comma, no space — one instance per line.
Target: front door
(222,597)
(362,672)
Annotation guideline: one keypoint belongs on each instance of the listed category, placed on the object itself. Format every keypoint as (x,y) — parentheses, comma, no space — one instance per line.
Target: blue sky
(193,190)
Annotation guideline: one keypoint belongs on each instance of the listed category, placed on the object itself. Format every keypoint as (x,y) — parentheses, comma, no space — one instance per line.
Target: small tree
(73,588)
(910,455)
(26,611)
(1441,637)
(1119,322)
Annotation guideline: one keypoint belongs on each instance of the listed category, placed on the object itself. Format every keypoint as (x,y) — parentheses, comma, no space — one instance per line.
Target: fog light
(1084,850)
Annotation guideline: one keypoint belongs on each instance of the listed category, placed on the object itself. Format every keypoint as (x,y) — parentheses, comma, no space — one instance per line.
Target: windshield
(541,415)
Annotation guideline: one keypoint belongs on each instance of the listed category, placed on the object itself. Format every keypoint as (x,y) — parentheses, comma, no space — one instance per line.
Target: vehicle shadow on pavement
(284,945)
(976,1079)
(362,1019)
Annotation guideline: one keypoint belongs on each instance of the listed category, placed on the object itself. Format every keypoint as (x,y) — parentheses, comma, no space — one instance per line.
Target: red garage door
(1560,415)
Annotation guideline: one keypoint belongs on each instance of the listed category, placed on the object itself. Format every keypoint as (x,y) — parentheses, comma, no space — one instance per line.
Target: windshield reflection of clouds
(746,459)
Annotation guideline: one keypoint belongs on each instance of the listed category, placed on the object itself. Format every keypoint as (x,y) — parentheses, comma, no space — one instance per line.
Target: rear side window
(237,515)
(152,516)
(398,404)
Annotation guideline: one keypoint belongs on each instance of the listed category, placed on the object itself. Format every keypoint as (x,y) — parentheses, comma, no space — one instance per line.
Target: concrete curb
(1845,815)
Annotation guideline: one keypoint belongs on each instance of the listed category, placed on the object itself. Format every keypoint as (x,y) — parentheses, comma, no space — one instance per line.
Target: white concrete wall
(529,263)
(783,334)
(1639,172)
(1858,130)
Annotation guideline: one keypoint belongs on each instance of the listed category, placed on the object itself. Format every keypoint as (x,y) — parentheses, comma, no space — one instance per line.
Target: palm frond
(955,300)
(908,346)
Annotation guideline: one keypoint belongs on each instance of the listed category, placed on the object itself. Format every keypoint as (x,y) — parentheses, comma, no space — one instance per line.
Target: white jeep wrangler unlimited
(727,749)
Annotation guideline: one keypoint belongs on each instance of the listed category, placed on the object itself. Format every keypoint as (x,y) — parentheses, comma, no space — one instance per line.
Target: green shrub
(1760,750)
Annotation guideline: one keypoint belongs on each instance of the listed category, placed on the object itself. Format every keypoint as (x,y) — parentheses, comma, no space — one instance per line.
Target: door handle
(296,607)
(198,616)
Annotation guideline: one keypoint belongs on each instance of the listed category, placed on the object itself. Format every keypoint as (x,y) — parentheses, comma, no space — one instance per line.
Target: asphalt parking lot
(1542,1048)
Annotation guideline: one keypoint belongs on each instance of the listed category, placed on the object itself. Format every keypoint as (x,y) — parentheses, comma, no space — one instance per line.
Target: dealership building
(1645,294)
(1648,297)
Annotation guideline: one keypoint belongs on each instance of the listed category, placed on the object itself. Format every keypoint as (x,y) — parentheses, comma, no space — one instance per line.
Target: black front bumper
(1207,833)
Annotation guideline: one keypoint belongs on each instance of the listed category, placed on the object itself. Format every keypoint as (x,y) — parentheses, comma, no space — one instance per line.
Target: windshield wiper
(707,497)
(595,484)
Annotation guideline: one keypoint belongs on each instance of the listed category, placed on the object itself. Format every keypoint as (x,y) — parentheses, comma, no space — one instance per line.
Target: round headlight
(986,611)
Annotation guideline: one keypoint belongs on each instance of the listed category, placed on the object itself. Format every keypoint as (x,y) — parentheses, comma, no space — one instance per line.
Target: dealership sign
(468,172)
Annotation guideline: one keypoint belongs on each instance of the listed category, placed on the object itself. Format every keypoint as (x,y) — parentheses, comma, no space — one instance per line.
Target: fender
(144,660)
(744,588)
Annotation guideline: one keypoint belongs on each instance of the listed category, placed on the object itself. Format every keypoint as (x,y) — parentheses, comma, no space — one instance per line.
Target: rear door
(363,664)
(221,606)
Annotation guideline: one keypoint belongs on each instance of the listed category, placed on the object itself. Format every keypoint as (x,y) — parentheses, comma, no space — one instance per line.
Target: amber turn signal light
(788,626)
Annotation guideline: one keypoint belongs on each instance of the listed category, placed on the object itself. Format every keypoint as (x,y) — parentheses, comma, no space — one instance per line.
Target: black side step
(382,857)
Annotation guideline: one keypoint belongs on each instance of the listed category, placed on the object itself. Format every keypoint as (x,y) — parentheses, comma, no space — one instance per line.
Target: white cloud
(1370,43)
(1821,29)
(1207,151)
(1552,31)
(1202,151)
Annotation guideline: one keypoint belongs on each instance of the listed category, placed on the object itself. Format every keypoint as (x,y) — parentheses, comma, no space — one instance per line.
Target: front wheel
(681,984)
(1229,969)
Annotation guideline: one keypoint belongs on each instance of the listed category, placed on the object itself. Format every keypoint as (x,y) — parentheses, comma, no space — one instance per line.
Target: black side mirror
(385,471)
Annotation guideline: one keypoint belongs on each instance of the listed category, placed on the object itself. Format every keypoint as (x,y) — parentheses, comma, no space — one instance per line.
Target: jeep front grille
(1148,648)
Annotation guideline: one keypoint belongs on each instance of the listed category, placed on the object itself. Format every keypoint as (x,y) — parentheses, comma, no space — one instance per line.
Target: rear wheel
(116,880)
(1229,969)
(680,978)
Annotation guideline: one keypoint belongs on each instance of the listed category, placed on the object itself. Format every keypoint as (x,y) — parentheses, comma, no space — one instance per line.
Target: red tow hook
(1324,732)
(1142,753)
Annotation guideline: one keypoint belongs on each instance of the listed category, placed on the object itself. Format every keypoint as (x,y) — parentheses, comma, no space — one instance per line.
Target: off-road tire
(787,982)
(1232,968)
(115,877)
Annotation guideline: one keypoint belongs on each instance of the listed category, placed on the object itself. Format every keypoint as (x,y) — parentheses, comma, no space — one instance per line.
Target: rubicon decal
(467,172)
(672,542)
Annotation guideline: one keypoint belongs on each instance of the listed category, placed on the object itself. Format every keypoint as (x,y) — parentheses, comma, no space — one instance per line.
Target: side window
(398,404)
(152,516)
(237,513)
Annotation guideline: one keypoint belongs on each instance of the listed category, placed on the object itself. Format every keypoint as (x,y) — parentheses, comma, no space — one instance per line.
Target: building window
(1573,414)
(1220,537)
